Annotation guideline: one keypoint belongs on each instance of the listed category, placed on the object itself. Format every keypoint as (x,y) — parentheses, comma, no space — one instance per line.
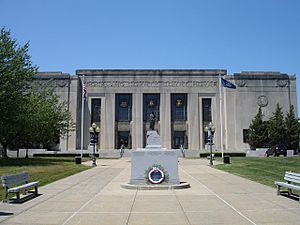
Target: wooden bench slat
(293,174)
(24,186)
(283,184)
(15,179)
(292,177)
(293,180)
(16,176)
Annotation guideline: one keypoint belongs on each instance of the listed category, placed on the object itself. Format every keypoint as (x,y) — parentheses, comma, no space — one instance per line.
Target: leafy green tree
(258,132)
(292,129)
(31,114)
(49,120)
(277,128)
(15,69)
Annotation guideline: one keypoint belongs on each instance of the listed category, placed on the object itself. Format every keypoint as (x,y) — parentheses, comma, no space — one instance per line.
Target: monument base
(182,185)
(161,164)
(154,168)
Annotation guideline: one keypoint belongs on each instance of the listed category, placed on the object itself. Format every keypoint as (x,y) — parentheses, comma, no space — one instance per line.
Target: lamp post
(94,132)
(210,129)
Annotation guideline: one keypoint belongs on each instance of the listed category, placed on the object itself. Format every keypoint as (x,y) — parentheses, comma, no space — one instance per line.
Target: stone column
(165,120)
(193,122)
(109,121)
(137,123)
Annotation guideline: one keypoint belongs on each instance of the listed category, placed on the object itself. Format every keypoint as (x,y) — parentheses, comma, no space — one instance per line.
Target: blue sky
(237,35)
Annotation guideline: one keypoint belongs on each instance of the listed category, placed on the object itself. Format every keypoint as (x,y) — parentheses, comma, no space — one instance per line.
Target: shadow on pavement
(6,214)
(23,199)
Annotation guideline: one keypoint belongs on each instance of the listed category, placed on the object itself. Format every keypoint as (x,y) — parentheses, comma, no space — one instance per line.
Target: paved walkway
(95,197)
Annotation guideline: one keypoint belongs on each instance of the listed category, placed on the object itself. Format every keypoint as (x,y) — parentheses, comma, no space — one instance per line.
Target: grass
(45,170)
(264,170)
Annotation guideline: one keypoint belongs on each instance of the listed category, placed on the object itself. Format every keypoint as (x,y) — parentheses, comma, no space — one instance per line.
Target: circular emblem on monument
(179,102)
(156,174)
(282,83)
(61,83)
(240,83)
(151,103)
(123,103)
(262,101)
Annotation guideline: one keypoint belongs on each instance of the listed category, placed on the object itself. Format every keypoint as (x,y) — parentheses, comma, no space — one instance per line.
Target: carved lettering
(129,84)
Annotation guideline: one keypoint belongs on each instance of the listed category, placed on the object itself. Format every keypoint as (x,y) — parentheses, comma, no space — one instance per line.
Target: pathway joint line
(130,212)
(181,207)
(219,197)
(75,213)
(52,195)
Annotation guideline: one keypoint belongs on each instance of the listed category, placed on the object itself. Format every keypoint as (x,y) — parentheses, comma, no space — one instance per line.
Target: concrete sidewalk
(95,197)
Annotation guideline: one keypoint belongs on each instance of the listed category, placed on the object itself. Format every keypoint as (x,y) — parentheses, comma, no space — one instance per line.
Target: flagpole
(221,116)
(82,116)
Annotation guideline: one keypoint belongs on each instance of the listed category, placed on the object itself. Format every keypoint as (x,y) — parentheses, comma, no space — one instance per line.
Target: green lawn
(45,170)
(264,170)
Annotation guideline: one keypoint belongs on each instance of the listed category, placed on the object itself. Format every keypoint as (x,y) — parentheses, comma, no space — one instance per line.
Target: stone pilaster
(137,122)
(216,121)
(193,122)
(165,120)
(87,122)
(102,125)
(201,133)
(109,122)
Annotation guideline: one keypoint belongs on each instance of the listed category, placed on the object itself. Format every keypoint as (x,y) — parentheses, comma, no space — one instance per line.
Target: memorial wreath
(156,174)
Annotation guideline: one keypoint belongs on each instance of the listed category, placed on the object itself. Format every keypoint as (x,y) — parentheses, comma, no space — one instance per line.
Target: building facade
(177,103)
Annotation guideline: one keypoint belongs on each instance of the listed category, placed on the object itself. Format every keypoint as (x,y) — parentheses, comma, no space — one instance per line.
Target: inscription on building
(119,84)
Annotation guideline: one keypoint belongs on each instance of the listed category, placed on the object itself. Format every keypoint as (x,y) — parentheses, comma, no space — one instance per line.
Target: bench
(293,183)
(18,184)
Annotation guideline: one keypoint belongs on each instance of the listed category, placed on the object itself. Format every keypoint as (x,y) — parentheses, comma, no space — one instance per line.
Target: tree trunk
(4,151)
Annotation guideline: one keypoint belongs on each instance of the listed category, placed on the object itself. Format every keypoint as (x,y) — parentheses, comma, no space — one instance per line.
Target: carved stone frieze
(129,84)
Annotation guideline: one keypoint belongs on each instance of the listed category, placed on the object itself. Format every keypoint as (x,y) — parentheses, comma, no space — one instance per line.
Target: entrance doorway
(123,138)
(179,139)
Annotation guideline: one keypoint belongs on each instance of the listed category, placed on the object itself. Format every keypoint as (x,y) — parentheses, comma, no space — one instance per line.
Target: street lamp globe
(213,129)
(97,129)
(206,129)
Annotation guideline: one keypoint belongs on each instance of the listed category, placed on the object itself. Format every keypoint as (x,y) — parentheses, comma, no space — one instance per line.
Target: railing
(182,151)
(122,150)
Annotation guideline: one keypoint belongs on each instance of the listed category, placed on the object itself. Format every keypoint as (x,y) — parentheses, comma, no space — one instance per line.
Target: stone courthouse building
(182,103)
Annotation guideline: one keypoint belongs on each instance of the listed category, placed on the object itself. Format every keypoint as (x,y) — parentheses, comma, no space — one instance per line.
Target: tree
(292,129)
(49,120)
(276,127)
(258,132)
(15,69)
(31,114)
